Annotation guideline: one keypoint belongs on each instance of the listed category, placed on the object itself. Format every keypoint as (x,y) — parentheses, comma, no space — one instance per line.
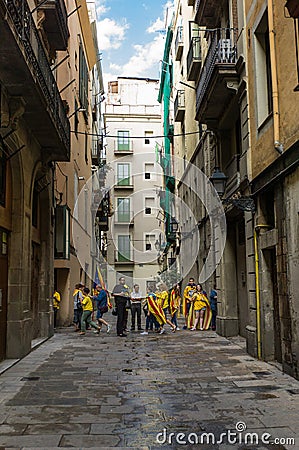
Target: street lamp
(218,180)
(243,202)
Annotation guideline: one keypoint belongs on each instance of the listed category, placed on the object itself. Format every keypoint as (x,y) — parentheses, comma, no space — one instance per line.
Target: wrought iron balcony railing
(124,217)
(123,182)
(56,23)
(25,30)
(222,51)
(125,257)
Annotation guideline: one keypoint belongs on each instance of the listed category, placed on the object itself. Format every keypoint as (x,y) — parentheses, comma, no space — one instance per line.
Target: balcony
(96,150)
(26,74)
(179,44)
(55,24)
(123,148)
(123,183)
(179,106)
(194,59)
(123,257)
(124,218)
(206,12)
(219,80)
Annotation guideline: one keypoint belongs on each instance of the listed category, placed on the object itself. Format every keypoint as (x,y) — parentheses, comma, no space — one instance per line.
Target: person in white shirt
(136,297)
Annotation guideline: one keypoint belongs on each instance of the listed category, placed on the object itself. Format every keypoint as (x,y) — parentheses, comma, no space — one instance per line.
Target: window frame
(123,140)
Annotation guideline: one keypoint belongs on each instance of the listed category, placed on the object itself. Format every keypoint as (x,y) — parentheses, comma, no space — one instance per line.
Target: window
(123,210)
(76,118)
(123,174)
(149,205)
(83,80)
(149,242)
(147,137)
(62,232)
(123,141)
(124,250)
(263,71)
(2,176)
(148,171)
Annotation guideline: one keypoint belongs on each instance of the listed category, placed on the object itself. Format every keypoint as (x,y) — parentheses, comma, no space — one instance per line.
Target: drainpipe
(277,144)
(257,289)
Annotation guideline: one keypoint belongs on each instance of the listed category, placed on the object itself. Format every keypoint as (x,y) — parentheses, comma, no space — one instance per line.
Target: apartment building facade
(80,77)
(229,58)
(34,132)
(133,130)
(51,88)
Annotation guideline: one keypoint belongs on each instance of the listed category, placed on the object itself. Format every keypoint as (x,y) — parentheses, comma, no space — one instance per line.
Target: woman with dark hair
(200,311)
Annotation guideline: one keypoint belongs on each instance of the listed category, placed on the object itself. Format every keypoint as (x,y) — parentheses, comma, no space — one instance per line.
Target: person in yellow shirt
(87,312)
(200,310)
(174,304)
(187,294)
(56,305)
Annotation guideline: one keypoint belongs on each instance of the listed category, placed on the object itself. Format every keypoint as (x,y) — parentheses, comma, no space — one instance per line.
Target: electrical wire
(136,137)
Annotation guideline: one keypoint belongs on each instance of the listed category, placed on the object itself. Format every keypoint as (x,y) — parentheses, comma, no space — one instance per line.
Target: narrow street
(101,391)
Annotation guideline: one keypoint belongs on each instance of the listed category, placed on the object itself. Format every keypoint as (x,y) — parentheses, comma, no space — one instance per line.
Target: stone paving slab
(104,392)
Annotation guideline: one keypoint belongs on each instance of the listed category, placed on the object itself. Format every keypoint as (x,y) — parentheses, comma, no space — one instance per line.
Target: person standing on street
(136,298)
(78,297)
(187,294)
(121,295)
(174,304)
(200,310)
(101,300)
(56,305)
(87,312)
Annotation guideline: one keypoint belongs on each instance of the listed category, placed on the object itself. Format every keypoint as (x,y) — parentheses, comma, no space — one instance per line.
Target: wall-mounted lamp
(243,202)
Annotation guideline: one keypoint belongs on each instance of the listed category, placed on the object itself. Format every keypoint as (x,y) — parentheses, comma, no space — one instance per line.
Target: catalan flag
(98,279)
(156,309)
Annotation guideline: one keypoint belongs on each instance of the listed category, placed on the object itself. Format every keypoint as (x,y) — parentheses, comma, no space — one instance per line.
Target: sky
(131,37)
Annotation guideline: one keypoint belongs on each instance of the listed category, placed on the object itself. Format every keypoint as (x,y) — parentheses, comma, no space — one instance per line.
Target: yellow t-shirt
(56,300)
(200,301)
(188,292)
(87,304)
(164,301)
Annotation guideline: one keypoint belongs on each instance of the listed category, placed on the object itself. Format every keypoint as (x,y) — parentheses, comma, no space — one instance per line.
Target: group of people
(84,307)
(160,306)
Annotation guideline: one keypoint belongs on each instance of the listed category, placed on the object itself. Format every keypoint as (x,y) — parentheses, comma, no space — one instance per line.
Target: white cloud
(158,25)
(115,67)
(101,7)
(146,57)
(111,34)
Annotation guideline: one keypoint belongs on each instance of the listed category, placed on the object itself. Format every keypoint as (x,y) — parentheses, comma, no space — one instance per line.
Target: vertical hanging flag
(98,279)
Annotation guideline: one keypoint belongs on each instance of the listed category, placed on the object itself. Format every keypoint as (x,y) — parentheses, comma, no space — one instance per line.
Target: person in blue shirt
(102,306)
(213,304)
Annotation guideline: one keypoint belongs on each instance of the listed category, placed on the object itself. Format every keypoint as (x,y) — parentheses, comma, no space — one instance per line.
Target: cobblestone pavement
(102,392)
